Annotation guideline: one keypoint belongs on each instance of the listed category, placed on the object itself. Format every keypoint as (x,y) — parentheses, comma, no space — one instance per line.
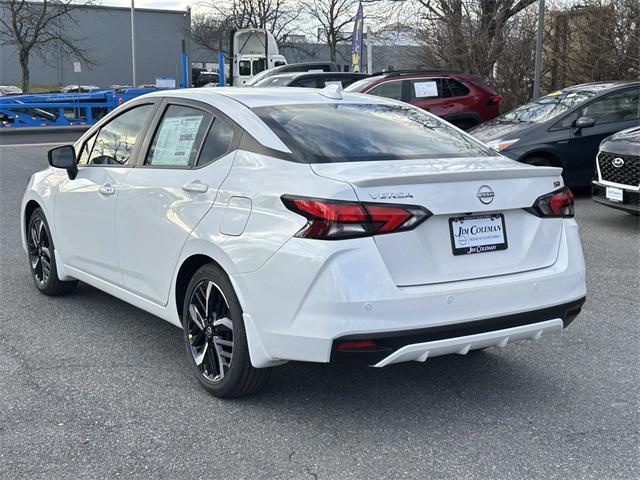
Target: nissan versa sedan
(564,128)
(305,225)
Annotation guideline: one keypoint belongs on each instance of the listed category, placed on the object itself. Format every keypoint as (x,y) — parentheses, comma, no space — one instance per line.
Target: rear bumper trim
(461,345)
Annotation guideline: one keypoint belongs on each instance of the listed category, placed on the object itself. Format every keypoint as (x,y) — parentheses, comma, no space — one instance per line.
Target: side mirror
(584,122)
(64,157)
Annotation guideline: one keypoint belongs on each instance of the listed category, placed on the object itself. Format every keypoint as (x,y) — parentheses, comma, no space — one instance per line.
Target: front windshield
(341,132)
(256,78)
(360,85)
(546,108)
(273,82)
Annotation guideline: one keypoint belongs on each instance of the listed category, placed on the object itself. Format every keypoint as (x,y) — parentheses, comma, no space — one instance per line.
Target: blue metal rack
(63,109)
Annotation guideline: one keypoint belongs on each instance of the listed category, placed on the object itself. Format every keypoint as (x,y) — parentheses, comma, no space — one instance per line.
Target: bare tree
(472,32)
(210,31)
(37,28)
(277,16)
(332,16)
(596,40)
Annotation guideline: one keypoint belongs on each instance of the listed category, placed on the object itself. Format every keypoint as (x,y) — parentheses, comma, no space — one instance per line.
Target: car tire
(542,162)
(465,124)
(215,338)
(42,259)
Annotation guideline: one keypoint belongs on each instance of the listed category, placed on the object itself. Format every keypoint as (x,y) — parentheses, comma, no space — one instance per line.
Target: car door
(611,113)
(188,153)
(85,206)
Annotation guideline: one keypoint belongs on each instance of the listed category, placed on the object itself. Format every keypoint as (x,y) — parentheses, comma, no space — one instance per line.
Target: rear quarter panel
(260,181)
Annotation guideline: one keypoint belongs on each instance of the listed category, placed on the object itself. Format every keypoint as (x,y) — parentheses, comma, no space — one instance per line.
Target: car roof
(252,97)
(597,87)
(316,74)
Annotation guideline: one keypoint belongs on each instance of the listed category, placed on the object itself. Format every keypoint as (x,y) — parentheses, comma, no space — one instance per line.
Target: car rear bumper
(460,338)
(330,292)
(630,201)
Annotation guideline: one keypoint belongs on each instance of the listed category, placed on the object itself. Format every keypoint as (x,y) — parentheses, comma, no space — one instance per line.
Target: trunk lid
(449,189)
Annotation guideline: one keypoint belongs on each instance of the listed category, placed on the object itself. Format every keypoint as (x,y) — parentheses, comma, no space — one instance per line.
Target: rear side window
(424,89)
(179,136)
(365,132)
(456,88)
(392,90)
(217,143)
(117,139)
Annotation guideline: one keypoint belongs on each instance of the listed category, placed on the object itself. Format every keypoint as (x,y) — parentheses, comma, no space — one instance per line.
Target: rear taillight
(335,219)
(494,99)
(554,204)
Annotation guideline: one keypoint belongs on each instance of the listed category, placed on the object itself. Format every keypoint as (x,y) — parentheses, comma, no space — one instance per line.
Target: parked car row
(565,128)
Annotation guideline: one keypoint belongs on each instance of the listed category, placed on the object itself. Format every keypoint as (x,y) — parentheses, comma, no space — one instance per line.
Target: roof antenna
(333,91)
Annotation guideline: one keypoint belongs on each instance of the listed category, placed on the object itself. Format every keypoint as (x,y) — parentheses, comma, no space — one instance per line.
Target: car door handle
(196,186)
(107,189)
(449,105)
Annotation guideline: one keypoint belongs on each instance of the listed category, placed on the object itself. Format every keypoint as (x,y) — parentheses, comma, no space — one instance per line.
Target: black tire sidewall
(51,285)
(240,363)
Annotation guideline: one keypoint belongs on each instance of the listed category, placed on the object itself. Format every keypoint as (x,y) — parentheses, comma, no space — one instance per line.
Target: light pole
(538,59)
(133,41)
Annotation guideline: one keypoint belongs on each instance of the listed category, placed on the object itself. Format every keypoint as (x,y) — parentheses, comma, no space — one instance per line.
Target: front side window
(618,107)
(83,159)
(305,82)
(117,139)
(392,90)
(244,68)
(258,65)
(365,132)
(217,143)
(178,137)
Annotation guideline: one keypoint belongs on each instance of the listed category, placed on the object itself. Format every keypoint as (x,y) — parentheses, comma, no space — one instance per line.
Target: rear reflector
(356,345)
(557,204)
(494,99)
(335,219)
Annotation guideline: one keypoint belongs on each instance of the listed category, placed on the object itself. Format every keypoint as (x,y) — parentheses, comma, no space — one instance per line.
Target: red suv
(459,98)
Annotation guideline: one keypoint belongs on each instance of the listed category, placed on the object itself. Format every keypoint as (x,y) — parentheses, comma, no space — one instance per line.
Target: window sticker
(426,89)
(175,140)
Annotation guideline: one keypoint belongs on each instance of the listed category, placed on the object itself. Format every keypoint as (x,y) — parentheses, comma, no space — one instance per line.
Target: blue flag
(356,42)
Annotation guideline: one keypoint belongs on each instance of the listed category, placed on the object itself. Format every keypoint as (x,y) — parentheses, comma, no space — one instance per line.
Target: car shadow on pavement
(472,385)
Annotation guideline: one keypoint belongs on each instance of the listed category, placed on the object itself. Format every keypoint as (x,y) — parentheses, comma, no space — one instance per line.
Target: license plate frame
(467,246)
(614,194)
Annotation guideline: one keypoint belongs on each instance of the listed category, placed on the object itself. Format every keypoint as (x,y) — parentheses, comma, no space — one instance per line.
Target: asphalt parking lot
(91,387)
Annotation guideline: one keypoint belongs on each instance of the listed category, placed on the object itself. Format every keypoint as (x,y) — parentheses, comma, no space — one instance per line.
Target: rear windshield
(321,133)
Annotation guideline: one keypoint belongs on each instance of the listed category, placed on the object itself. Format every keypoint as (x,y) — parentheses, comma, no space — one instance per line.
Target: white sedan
(313,225)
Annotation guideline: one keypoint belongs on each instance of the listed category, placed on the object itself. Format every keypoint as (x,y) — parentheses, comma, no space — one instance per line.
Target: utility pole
(369,51)
(538,61)
(133,41)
